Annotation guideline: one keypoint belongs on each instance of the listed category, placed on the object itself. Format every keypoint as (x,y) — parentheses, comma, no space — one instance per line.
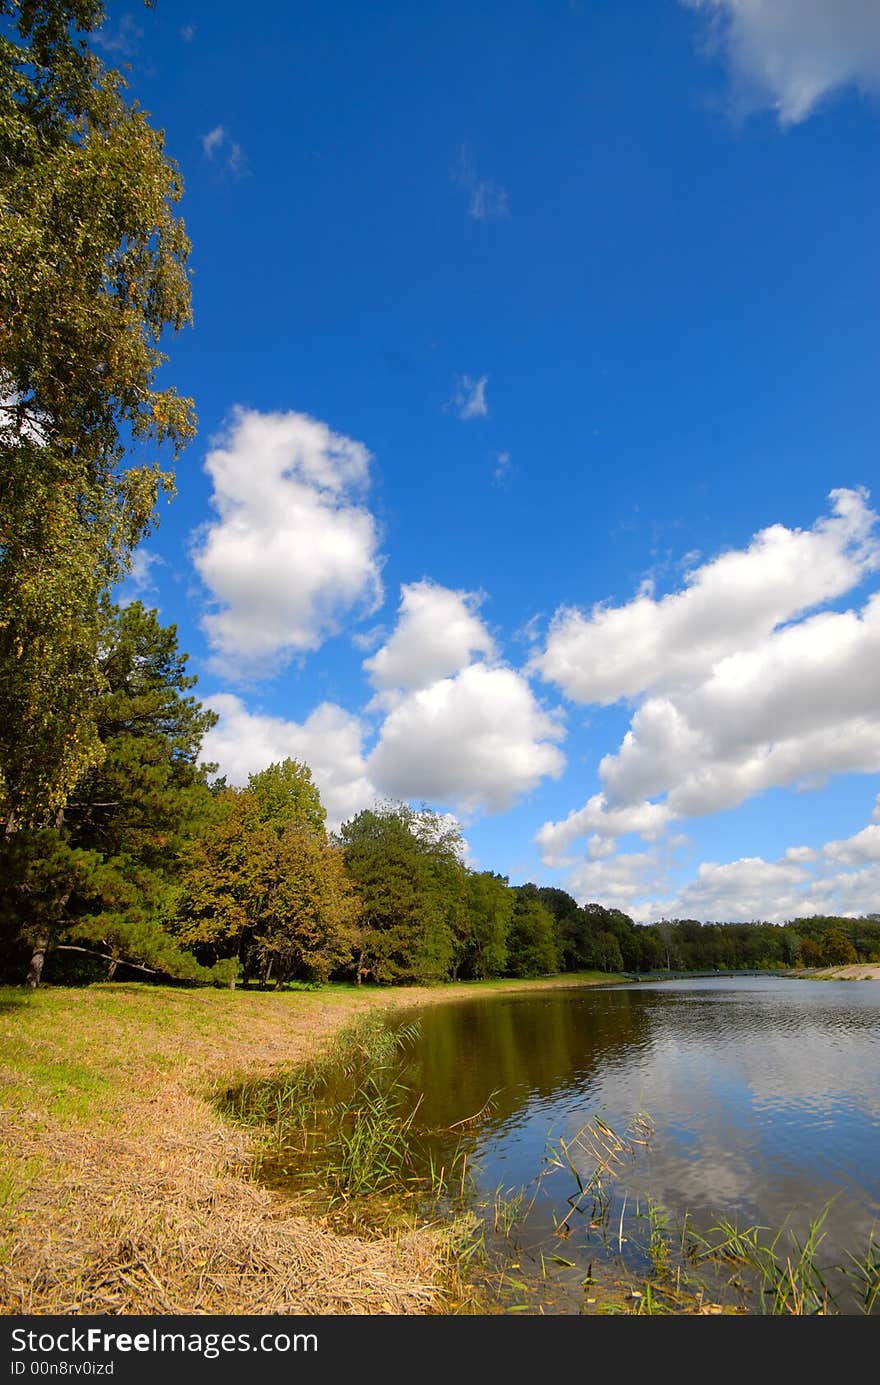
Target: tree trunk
(111,968)
(38,957)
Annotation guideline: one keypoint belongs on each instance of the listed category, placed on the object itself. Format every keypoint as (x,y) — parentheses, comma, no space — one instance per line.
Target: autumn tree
(285,792)
(92,273)
(263,887)
(304,927)
(836,949)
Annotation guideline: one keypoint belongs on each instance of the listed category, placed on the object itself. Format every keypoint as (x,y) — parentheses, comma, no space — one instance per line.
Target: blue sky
(536,366)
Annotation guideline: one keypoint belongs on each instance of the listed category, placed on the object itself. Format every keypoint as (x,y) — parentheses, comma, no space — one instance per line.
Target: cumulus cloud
(617,882)
(858,850)
(739,685)
(796,708)
(292,549)
(620,651)
(556,838)
(840,878)
(469,397)
(748,889)
(789,55)
(800,853)
(476,741)
(769,891)
(329,741)
(438,631)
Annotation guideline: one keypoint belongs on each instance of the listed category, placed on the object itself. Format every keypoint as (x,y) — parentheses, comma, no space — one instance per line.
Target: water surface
(762,1093)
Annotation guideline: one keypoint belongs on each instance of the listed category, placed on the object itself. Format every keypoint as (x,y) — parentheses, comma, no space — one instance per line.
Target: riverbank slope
(124,1191)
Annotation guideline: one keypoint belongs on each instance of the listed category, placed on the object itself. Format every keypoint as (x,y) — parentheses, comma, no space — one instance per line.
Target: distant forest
(155,868)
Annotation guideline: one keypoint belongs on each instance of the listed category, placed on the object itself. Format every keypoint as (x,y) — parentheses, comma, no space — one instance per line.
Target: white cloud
(840,878)
(556,838)
(219,142)
(329,741)
(487,201)
(741,689)
(475,741)
(140,580)
(858,850)
(748,889)
(753,889)
(789,55)
(469,397)
(798,707)
(799,854)
(616,882)
(188,32)
(437,633)
(291,550)
(728,603)
(213,141)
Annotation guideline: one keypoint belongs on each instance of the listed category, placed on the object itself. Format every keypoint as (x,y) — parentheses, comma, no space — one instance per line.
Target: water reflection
(762,1091)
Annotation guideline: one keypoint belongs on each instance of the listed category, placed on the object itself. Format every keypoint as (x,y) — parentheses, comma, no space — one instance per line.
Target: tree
(305,924)
(836,949)
(129,815)
(223,875)
(262,887)
(531,943)
(149,793)
(811,953)
(481,943)
(92,272)
(574,932)
(392,859)
(610,955)
(285,792)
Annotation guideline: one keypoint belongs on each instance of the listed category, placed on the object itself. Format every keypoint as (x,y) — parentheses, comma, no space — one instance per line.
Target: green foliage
(262,885)
(305,927)
(92,272)
(103,876)
(285,792)
(398,864)
(836,949)
(531,943)
(816,941)
(481,943)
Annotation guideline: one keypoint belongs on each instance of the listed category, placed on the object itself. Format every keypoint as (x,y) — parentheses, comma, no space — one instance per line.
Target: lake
(760,1094)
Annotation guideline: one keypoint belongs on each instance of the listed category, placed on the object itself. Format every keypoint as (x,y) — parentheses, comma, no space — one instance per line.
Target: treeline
(155,867)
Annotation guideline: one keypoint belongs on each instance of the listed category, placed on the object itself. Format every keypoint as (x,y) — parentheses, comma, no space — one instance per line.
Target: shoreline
(127,1192)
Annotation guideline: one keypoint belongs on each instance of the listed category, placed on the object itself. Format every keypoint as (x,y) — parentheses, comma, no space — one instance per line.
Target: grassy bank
(124,1190)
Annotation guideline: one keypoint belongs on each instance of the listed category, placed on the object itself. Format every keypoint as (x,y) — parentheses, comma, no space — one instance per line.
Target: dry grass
(124,1191)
